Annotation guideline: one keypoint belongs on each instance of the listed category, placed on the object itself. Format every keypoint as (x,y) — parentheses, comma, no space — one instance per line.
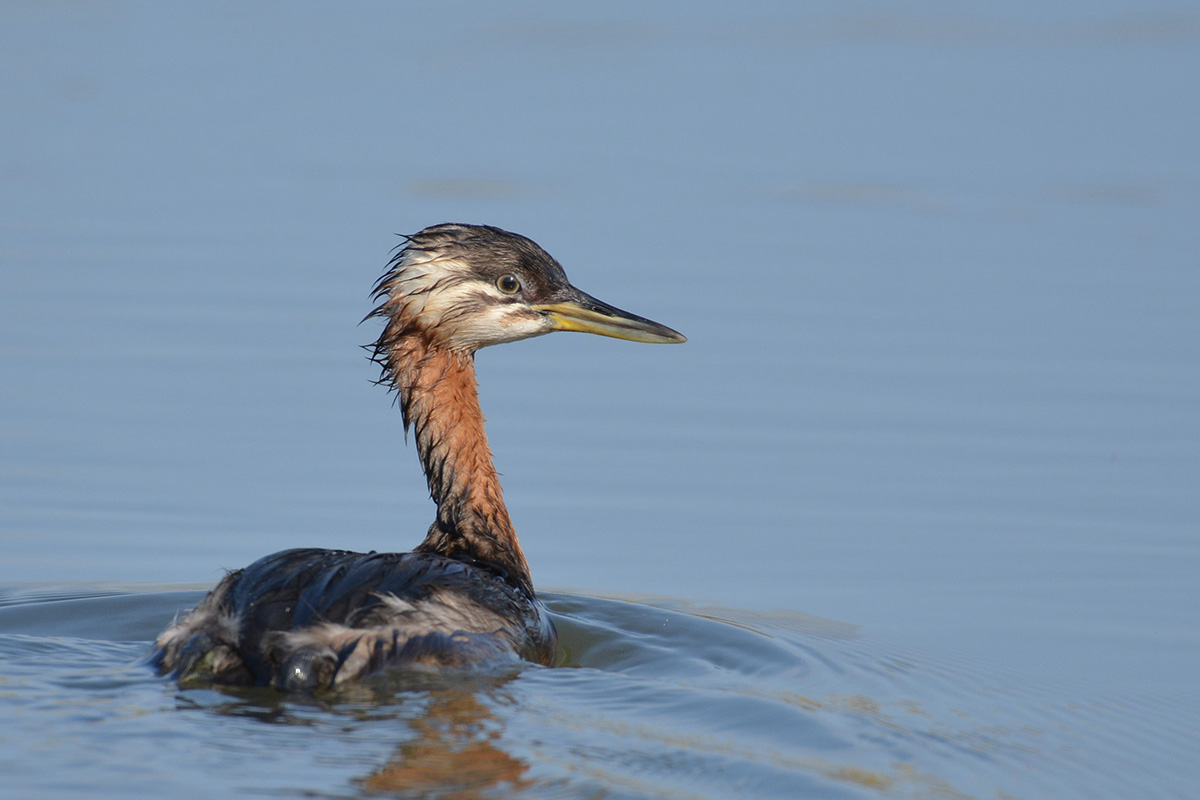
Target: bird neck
(440,402)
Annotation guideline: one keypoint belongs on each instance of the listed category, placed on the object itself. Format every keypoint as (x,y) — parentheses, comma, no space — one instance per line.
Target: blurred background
(937,265)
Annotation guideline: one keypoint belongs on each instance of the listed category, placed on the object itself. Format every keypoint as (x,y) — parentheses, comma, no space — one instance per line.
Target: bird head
(464,287)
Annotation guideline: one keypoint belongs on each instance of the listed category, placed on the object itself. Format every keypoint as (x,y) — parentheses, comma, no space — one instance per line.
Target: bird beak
(586,314)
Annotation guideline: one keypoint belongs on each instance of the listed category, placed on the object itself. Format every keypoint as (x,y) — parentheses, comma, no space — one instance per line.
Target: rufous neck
(440,402)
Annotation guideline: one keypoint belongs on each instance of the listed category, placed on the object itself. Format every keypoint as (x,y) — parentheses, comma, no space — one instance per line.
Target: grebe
(310,618)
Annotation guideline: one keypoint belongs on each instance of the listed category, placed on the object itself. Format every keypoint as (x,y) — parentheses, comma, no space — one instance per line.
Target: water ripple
(652,699)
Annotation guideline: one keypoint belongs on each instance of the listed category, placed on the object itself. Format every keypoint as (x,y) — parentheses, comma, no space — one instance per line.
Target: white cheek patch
(495,325)
(428,285)
(448,301)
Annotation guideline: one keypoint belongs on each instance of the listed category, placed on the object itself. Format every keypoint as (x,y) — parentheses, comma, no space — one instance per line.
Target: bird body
(309,618)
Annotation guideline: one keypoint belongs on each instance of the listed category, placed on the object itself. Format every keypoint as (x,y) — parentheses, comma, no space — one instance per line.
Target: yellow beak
(586,314)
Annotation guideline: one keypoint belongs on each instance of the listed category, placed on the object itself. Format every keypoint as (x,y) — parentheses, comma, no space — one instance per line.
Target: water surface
(938,271)
(648,701)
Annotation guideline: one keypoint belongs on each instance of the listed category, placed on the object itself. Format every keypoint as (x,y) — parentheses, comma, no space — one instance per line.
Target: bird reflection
(456,753)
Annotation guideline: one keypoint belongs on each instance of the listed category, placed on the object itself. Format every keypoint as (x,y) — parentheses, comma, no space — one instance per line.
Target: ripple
(653,698)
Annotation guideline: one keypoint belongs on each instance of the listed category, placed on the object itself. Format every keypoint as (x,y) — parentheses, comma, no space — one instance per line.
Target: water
(650,701)
(938,271)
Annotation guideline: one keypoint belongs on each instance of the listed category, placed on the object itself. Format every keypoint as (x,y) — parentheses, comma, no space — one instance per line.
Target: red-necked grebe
(311,618)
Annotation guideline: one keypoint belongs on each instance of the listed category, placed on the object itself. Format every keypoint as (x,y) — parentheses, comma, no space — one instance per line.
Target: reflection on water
(448,740)
(456,752)
(653,701)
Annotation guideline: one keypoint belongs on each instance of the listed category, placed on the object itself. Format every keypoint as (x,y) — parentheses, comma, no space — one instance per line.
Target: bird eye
(508,283)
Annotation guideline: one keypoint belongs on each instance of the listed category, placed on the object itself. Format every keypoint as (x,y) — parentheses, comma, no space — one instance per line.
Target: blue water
(938,270)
